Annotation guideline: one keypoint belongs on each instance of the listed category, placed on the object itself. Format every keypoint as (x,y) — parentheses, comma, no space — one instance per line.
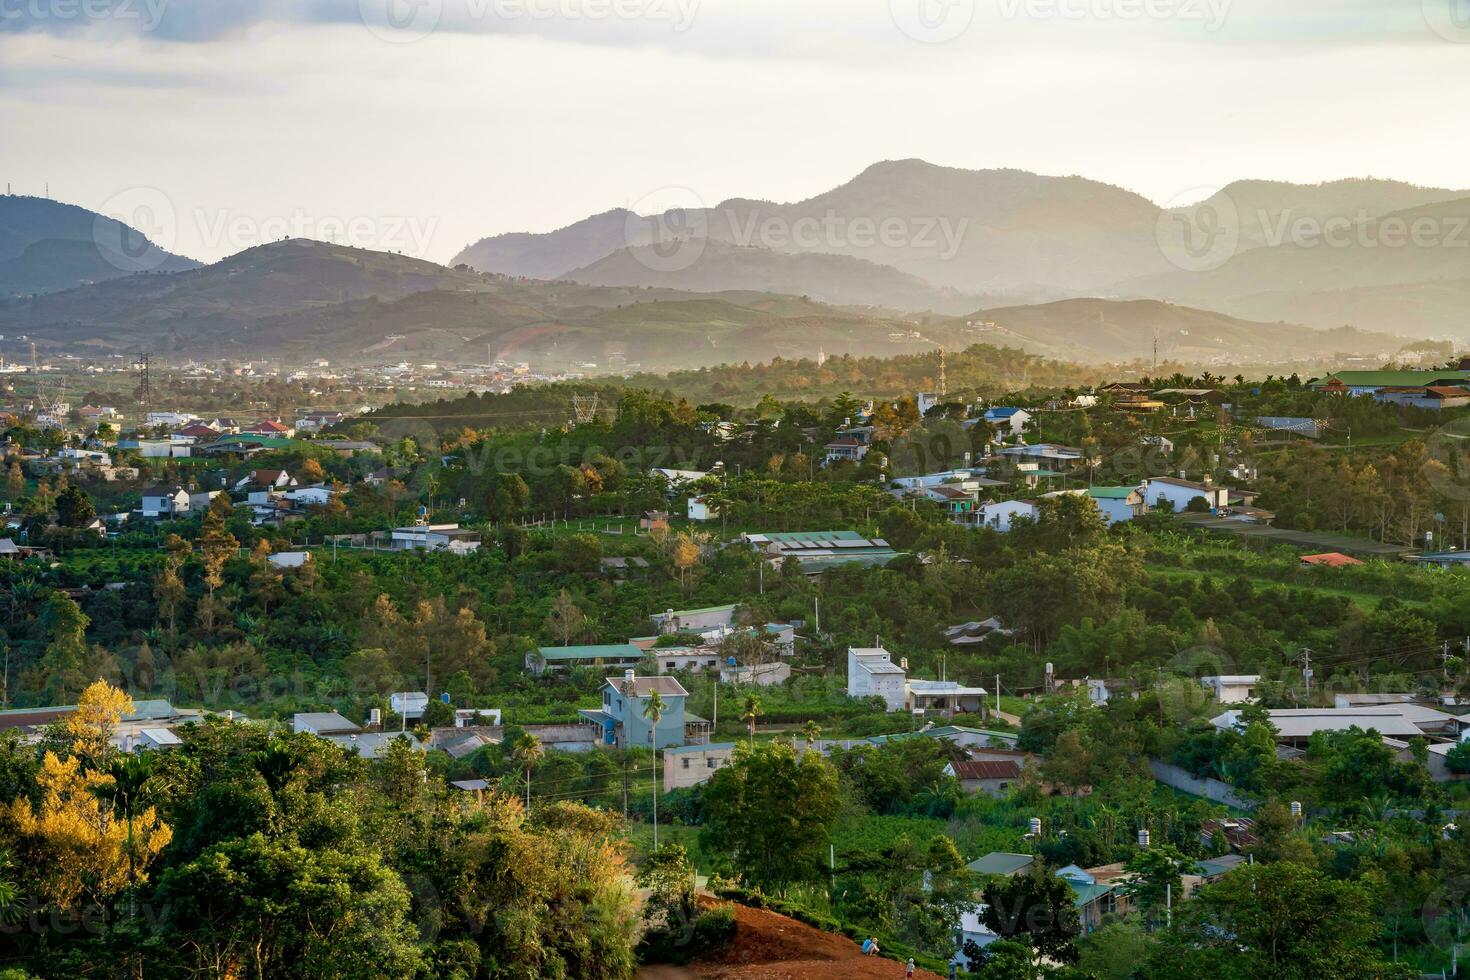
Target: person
(868,947)
(908,971)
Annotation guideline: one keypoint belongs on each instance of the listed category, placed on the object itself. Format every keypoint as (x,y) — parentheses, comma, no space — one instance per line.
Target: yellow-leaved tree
(99,710)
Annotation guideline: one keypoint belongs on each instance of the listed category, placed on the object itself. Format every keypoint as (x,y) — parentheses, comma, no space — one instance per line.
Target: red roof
(268,426)
(197,429)
(1445,391)
(1331,558)
(987,769)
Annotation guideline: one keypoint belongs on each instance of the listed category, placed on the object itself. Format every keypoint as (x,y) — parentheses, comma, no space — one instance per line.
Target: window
(669,665)
(685,762)
(712,763)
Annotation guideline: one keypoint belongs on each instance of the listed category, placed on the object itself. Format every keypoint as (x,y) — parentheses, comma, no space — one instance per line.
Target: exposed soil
(772,947)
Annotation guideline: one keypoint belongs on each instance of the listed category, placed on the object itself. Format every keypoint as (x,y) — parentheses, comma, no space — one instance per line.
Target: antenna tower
(585,407)
(144,393)
(943,387)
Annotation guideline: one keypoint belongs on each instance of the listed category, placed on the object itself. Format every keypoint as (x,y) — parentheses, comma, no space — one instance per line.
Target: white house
(172,420)
(1233,688)
(165,501)
(290,559)
(1179,492)
(678,478)
(690,765)
(943,697)
(1007,421)
(435,537)
(700,509)
(409,704)
(1000,515)
(1116,504)
(871,671)
(310,496)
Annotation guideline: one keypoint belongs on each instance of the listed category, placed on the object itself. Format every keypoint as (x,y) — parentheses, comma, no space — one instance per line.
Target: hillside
(1108,330)
(837,279)
(550,255)
(47,246)
(1375,275)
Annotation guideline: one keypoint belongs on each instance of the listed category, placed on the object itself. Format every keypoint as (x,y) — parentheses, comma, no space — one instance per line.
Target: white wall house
(165,501)
(435,537)
(1180,492)
(1007,421)
(1001,515)
(871,671)
(1116,504)
(700,509)
(1232,688)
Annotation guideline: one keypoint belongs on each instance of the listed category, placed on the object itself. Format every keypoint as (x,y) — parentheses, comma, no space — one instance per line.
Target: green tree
(1036,907)
(772,814)
(74,508)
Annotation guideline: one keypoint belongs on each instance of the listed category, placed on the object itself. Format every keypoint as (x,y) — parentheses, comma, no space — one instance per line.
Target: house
(654,520)
(194,432)
(1232,688)
(993,777)
(1444,559)
(1179,492)
(322,723)
(409,705)
(167,420)
(668,660)
(267,479)
(871,672)
(690,765)
(310,496)
(956,501)
(1434,398)
(1007,421)
(677,479)
(845,449)
(701,509)
(156,448)
(694,620)
(290,559)
(153,740)
(756,675)
(622,720)
(435,537)
(623,568)
(1047,452)
(1001,515)
(268,427)
(1330,559)
(1096,894)
(613,655)
(1117,504)
(165,502)
(97,413)
(943,697)
(373,745)
(1296,726)
(1002,864)
(317,421)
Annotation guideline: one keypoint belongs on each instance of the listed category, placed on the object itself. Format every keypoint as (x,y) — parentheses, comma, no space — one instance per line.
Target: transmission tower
(585,407)
(943,387)
(144,392)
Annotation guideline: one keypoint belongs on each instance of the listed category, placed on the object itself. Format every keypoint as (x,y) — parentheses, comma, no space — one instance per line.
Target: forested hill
(981,370)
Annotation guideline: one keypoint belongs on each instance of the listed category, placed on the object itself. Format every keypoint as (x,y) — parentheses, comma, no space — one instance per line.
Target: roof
(596,651)
(160,490)
(470,785)
(987,769)
(319,721)
(1174,481)
(698,612)
(371,745)
(1000,413)
(161,736)
(1389,379)
(1232,679)
(644,686)
(1304,722)
(1213,867)
(1001,863)
(1111,493)
(1331,559)
(694,749)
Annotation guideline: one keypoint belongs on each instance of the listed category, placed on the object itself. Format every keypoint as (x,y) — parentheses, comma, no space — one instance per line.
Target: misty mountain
(47,246)
(1092,330)
(551,255)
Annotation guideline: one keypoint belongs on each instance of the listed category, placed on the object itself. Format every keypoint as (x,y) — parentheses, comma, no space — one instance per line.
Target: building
(409,705)
(694,620)
(1002,864)
(1007,421)
(290,559)
(1296,726)
(323,723)
(690,765)
(871,672)
(165,502)
(1372,382)
(1001,515)
(1047,452)
(1178,493)
(701,509)
(756,675)
(622,720)
(610,655)
(1330,559)
(373,745)
(817,551)
(1232,688)
(845,449)
(435,537)
(268,427)
(1434,398)
(943,697)
(993,777)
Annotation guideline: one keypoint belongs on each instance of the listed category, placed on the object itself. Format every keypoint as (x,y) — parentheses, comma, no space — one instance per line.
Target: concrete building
(872,672)
(943,697)
(1178,493)
(690,765)
(1232,688)
(435,537)
(621,717)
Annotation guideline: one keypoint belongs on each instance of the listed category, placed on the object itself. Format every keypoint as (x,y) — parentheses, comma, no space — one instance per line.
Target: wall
(1210,789)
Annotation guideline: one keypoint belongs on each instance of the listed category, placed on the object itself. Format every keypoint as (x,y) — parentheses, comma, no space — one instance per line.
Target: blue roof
(1000,413)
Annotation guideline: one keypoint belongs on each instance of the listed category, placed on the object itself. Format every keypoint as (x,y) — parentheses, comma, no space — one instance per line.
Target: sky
(423,125)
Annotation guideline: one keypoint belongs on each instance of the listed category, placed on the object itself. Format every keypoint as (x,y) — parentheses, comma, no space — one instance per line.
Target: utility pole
(997,695)
(1307,672)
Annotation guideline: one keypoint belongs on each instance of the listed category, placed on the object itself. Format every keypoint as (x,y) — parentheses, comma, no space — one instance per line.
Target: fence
(1211,789)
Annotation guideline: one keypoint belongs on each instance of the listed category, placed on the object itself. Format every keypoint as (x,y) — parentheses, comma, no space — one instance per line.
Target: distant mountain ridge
(47,246)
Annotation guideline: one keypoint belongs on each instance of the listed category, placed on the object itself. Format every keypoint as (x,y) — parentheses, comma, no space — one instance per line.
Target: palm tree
(654,712)
(811,731)
(751,711)
(132,776)
(276,764)
(528,752)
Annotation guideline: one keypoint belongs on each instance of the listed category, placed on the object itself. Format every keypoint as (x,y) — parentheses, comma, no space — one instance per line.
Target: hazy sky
(422,125)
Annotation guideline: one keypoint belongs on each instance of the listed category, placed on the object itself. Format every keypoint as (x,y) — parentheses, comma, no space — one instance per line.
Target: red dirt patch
(772,947)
